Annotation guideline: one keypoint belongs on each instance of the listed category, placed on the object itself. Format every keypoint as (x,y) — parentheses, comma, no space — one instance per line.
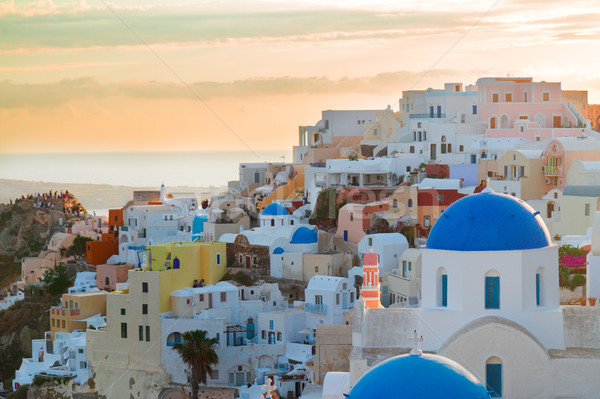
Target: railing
(315,307)
(423,116)
(551,170)
(124,228)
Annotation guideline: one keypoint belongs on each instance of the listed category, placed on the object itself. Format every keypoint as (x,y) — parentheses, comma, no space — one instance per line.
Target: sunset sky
(73,77)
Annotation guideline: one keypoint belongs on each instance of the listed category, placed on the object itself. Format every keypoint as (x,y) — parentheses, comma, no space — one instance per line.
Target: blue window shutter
(404,269)
(444,290)
(537,289)
(494,379)
(492,292)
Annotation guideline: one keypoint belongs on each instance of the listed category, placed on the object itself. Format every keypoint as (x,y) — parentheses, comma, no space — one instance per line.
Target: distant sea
(137,169)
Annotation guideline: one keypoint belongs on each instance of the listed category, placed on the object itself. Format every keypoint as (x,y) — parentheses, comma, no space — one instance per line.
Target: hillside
(94,196)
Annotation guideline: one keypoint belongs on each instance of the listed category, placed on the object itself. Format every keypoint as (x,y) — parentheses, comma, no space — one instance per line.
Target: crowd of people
(62,201)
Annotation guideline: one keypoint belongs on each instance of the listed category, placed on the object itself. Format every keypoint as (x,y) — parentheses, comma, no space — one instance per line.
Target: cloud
(17,95)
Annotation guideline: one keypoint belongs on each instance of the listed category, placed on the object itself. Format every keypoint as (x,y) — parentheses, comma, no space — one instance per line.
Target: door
(432,155)
(494,379)
(439,111)
(210,300)
(345,235)
(247,262)
(556,121)
(492,292)
(271,337)
(549,209)
(345,300)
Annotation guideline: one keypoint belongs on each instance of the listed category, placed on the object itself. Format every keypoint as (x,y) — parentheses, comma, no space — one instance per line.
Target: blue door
(345,235)
(444,290)
(271,337)
(431,111)
(439,111)
(492,292)
(494,379)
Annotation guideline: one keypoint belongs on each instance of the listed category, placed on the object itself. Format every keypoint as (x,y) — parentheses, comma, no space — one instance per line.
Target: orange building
(76,307)
(98,252)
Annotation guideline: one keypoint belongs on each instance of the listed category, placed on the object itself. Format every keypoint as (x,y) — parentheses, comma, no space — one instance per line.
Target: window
(461,148)
(449,147)
(122,311)
(409,266)
(410,202)
(374,132)
(123,330)
(107,281)
(546,97)
(427,221)
(370,239)
(263,334)
(395,203)
(201,297)
(537,289)
(53,322)
(147,333)
(508,97)
(316,269)
(442,287)
(404,269)
(319,299)
(587,209)
(419,125)
(176,263)
(440,198)
(412,149)
(270,324)
(474,109)
(493,374)
(492,122)
(144,287)
(141,333)
(337,299)
(524,97)
(223,297)
(279,336)
(144,308)
(495,97)
(218,259)
(82,365)
(63,326)
(492,290)
(473,158)
(443,148)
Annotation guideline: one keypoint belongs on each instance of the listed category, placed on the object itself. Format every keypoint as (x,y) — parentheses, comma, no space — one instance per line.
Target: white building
(389,247)
(491,303)
(402,286)
(63,357)
(326,300)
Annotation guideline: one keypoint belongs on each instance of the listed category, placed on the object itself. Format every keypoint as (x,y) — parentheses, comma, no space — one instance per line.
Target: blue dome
(418,376)
(304,235)
(489,222)
(278,251)
(274,209)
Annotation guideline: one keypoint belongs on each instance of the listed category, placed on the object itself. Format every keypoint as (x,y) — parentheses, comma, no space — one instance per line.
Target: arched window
(539,292)
(174,338)
(493,376)
(272,222)
(176,263)
(504,122)
(442,287)
(492,290)
(410,202)
(107,280)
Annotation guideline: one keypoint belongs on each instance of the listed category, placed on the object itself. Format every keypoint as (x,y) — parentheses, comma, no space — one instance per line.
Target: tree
(197,350)
(78,247)
(56,280)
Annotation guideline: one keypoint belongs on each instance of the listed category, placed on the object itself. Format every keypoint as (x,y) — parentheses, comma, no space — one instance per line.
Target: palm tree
(197,350)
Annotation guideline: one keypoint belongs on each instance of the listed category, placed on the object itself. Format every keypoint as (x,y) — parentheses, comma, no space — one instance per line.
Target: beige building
(402,287)
(126,354)
(520,174)
(76,307)
(326,264)
(583,173)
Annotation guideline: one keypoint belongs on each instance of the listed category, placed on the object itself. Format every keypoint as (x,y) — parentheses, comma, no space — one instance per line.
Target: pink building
(520,107)
(561,152)
(355,219)
(108,275)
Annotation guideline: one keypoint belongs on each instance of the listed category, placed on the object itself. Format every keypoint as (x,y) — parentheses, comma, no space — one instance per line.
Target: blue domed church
(490,302)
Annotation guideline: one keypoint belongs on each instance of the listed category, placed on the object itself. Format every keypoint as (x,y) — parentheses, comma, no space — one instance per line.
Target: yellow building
(75,308)
(183,263)
(129,348)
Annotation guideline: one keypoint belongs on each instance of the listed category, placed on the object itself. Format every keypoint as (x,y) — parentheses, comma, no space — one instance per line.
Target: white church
(491,304)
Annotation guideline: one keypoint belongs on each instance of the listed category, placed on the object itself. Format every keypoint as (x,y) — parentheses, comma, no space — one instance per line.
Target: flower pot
(582,301)
(592,301)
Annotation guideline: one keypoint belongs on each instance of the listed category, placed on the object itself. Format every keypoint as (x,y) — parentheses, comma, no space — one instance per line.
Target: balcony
(551,170)
(60,311)
(315,307)
(425,116)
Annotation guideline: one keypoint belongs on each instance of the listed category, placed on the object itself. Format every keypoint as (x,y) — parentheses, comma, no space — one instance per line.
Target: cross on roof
(416,339)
